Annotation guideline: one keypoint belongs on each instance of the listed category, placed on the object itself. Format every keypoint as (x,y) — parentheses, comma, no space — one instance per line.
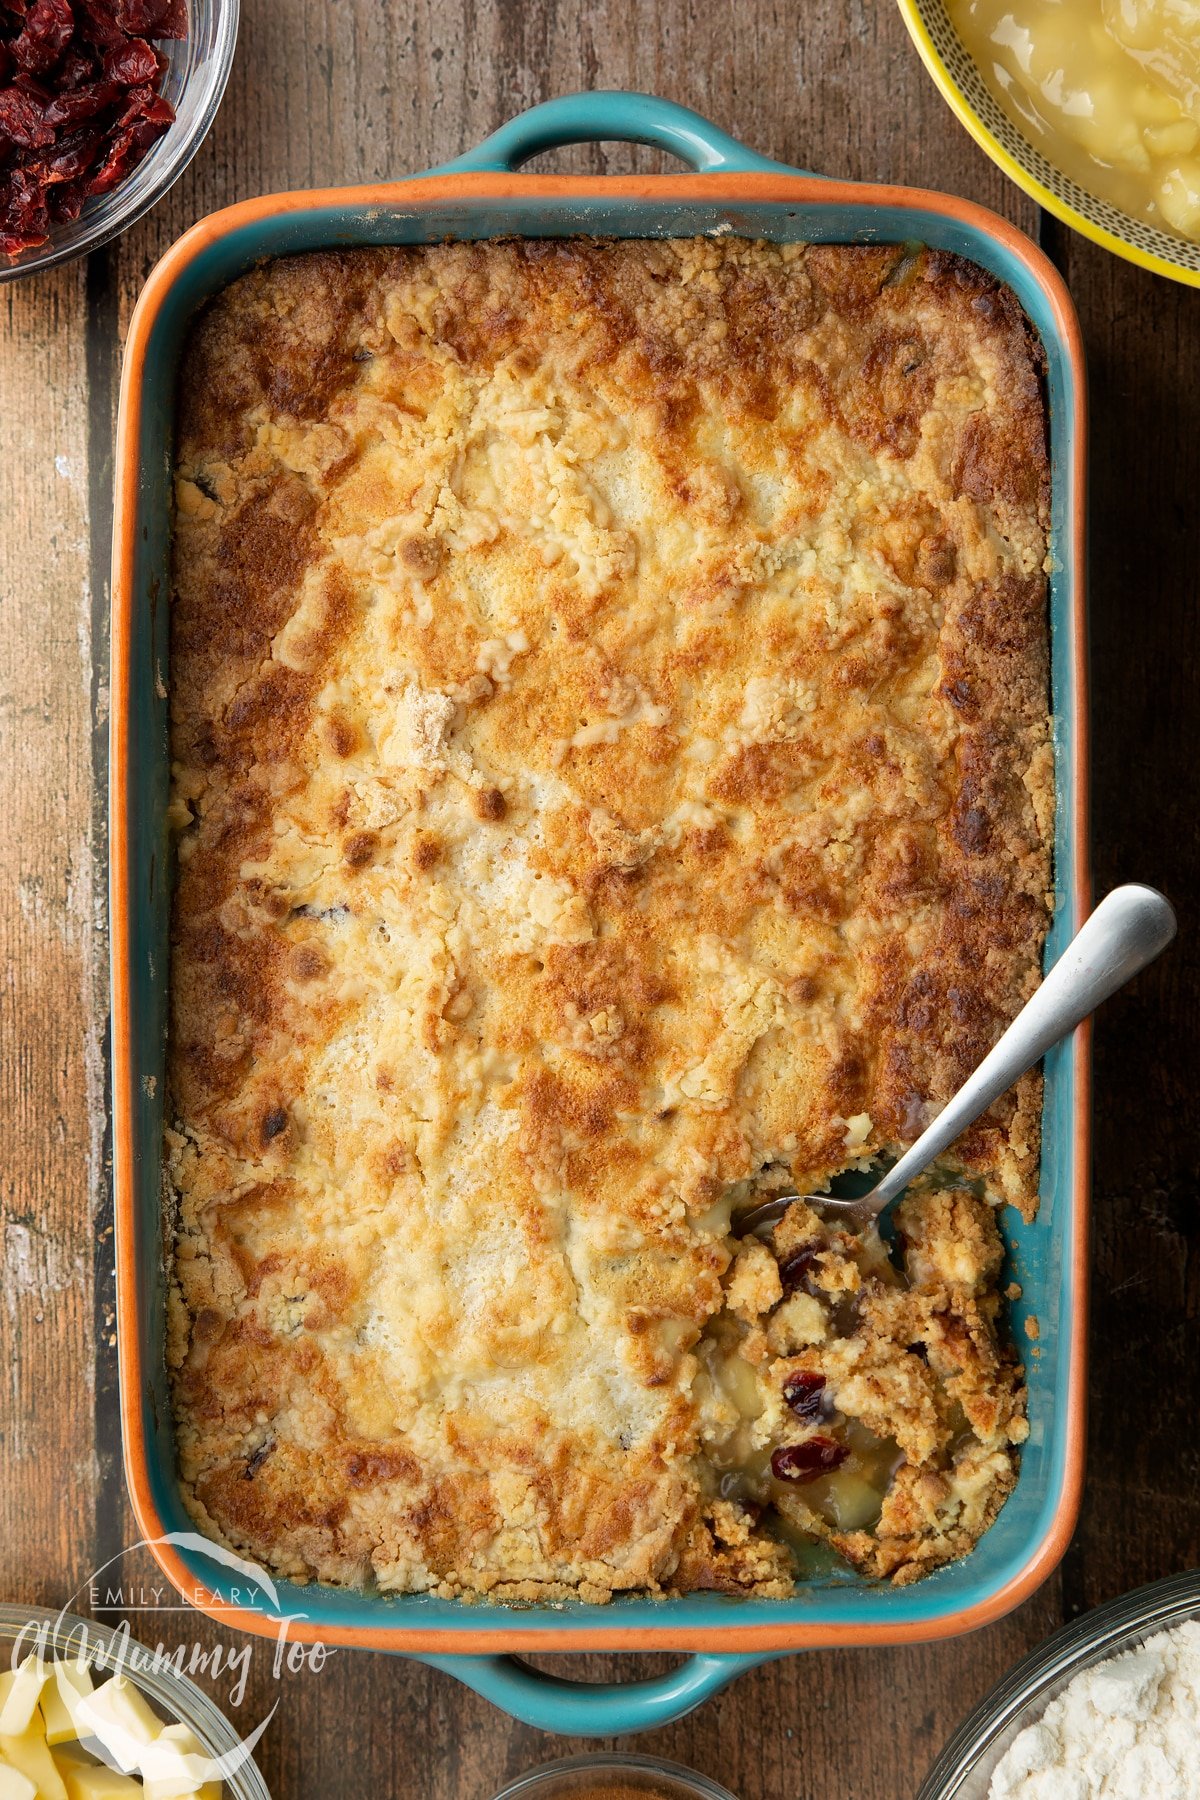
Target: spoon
(1129,928)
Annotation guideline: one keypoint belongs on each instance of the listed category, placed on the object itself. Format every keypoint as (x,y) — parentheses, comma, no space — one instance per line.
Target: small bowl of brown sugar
(613,1777)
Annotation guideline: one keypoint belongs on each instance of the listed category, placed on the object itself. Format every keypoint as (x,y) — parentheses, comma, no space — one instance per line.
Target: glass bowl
(578,1775)
(174,1696)
(965,1768)
(197,70)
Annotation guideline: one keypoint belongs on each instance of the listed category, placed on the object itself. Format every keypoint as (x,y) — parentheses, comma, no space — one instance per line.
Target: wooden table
(328,91)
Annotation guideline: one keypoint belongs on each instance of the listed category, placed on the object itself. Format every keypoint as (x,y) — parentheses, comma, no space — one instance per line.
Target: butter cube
(182,1739)
(21,1690)
(68,1684)
(29,1754)
(73,1678)
(121,1717)
(15,1786)
(57,1723)
(92,1781)
(175,1764)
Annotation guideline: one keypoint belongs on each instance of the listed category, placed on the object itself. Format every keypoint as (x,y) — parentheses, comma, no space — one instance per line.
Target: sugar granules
(1128,1729)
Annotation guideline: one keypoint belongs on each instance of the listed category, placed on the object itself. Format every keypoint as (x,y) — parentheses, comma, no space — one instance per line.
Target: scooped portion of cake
(864,1393)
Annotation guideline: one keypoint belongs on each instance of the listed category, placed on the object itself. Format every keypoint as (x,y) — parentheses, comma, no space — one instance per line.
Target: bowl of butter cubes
(87,1713)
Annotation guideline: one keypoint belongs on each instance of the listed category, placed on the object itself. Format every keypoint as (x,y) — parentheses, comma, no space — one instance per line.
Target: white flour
(1129,1729)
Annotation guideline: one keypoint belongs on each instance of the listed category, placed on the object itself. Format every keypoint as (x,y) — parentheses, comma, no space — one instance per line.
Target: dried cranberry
(797,1266)
(82,103)
(48,29)
(152,18)
(119,160)
(98,23)
(257,1458)
(132,63)
(129,144)
(805,1394)
(144,106)
(65,202)
(808,1461)
(26,217)
(76,68)
(72,156)
(23,120)
(159,113)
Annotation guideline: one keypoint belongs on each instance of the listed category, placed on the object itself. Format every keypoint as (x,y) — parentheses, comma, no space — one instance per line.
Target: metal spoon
(1129,928)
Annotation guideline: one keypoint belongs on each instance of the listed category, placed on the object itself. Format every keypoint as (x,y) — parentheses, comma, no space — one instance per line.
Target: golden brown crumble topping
(612,772)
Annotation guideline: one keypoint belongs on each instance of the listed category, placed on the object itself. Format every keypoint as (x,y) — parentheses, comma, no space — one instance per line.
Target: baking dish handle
(613,116)
(586,1709)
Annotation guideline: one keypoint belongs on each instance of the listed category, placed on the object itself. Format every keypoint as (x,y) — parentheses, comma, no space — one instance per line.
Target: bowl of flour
(1106,1709)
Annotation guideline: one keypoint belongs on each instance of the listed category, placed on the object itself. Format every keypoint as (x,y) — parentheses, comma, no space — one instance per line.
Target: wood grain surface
(328,91)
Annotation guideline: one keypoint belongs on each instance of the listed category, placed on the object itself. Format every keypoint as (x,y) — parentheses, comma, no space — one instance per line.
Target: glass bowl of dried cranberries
(103,103)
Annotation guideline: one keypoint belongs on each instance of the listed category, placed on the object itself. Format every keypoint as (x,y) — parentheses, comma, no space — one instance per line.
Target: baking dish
(730,189)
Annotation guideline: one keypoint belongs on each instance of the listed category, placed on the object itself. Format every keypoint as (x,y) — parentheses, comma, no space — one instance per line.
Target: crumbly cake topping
(897,1361)
(611,770)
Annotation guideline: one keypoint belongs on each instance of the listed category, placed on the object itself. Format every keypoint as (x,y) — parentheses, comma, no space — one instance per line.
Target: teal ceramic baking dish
(730,189)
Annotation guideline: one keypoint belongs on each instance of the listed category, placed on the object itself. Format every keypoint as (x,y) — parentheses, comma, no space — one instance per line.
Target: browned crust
(609,712)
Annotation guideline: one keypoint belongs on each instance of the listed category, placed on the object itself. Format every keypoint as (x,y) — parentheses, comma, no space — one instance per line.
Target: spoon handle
(1129,928)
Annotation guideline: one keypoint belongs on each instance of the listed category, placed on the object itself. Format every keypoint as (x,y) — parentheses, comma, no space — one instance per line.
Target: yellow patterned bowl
(950,64)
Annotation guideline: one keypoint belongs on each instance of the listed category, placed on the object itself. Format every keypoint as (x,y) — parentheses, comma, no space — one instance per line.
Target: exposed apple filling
(861,1393)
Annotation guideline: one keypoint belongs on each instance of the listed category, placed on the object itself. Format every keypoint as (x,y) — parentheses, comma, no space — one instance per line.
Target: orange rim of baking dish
(418,192)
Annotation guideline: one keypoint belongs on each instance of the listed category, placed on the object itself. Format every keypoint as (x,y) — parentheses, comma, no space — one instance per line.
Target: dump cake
(612,777)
